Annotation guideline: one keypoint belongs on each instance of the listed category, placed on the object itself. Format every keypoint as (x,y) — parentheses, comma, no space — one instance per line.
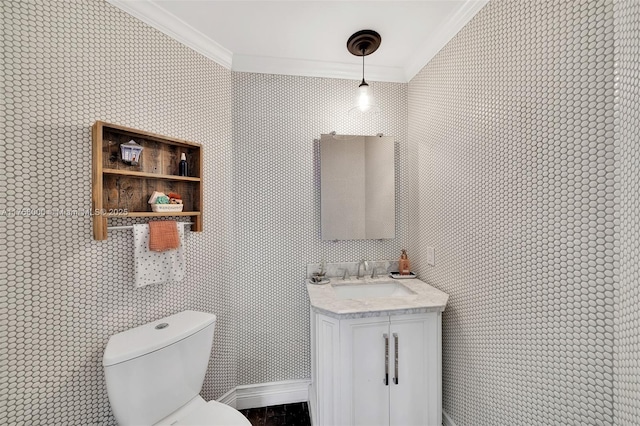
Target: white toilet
(154,374)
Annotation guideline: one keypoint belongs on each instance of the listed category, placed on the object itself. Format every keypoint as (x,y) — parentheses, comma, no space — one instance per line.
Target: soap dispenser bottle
(182,167)
(403,264)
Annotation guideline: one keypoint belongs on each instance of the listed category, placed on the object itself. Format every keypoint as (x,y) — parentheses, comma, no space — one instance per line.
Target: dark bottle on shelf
(182,168)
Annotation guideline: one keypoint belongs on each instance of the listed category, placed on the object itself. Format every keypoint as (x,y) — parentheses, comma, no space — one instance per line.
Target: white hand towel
(156,267)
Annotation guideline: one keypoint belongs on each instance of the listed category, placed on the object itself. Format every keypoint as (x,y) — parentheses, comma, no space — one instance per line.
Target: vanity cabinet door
(414,376)
(324,396)
(365,380)
(354,375)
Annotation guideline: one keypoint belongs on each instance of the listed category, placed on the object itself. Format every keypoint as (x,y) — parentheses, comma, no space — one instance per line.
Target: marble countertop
(324,299)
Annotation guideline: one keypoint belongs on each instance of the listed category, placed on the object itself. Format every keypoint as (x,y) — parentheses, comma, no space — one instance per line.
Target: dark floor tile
(298,420)
(297,408)
(276,421)
(276,410)
(296,414)
(256,416)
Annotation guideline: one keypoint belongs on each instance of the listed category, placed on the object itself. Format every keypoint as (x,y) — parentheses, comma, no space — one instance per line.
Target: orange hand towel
(163,235)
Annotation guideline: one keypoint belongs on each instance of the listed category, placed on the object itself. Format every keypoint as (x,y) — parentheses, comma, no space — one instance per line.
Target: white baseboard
(446,420)
(266,394)
(229,398)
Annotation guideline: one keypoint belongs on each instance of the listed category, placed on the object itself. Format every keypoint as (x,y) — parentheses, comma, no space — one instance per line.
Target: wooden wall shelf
(119,187)
(149,175)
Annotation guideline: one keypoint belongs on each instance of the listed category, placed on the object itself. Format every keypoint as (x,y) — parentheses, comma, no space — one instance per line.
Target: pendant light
(364,43)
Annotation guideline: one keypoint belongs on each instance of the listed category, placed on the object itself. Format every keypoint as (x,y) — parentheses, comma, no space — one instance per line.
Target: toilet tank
(153,370)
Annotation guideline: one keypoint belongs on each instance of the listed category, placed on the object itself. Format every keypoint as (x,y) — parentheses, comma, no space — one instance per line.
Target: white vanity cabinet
(378,370)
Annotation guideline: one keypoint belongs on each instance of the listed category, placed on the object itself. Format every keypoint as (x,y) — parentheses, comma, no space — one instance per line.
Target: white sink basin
(371,290)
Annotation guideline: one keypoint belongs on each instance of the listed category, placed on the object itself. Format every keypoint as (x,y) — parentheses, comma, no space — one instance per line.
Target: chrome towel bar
(118,228)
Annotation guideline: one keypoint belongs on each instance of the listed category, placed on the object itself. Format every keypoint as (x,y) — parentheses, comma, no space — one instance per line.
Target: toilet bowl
(154,374)
(198,412)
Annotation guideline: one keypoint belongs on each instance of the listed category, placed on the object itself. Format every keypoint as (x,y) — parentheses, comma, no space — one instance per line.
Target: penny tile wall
(627,348)
(512,165)
(278,121)
(66,64)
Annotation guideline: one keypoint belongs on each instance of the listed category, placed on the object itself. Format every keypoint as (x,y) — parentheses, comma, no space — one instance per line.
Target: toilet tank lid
(155,335)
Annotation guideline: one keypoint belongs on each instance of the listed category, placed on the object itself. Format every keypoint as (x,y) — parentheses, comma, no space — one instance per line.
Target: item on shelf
(174,198)
(131,152)
(403,263)
(167,208)
(398,276)
(155,196)
(319,280)
(162,203)
(317,277)
(182,167)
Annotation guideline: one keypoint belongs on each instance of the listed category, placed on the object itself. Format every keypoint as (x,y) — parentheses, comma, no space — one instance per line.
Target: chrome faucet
(366,265)
(374,273)
(345,274)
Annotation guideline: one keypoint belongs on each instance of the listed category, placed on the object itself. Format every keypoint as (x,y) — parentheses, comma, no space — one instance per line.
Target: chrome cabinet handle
(395,338)
(386,359)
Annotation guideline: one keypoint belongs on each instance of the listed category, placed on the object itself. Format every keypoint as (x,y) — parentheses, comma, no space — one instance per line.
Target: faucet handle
(361,263)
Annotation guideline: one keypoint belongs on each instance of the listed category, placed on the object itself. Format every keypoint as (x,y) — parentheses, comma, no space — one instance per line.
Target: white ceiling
(301,37)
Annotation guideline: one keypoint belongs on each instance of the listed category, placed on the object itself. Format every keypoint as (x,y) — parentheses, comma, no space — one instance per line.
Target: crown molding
(308,68)
(167,23)
(148,12)
(442,37)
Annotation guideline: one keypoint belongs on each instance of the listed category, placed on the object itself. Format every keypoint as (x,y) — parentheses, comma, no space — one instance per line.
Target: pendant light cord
(364,83)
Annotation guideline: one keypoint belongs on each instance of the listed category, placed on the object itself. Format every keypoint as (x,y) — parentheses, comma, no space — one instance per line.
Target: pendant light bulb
(365,102)
(365,97)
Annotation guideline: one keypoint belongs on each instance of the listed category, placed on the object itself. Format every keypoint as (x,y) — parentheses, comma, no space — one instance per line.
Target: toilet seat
(215,413)
(201,413)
